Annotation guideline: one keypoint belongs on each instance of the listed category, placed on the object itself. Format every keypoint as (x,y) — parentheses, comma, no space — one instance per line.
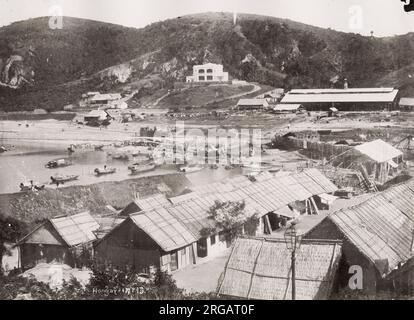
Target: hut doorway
(174,261)
(202,248)
(274,221)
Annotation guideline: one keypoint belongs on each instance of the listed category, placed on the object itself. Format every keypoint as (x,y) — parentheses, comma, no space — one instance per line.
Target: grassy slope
(199,96)
(34,207)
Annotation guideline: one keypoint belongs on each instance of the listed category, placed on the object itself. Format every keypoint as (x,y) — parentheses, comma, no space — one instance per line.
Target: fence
(315,149)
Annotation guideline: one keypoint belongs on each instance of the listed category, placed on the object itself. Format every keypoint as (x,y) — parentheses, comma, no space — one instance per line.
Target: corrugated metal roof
(292,186)
(340,96)
(308,183)
(163,228)
(154,201)
(317,176)
(378,229)
(76,229)
(260,269)
(194,215)
(378,150)
(349,90)
(261,197)
(402,197)
(183,197)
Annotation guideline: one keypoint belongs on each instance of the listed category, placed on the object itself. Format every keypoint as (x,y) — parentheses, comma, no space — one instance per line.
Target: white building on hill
(209,72)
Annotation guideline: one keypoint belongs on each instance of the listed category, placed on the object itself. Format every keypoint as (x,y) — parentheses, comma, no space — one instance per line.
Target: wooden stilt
(267,224)
(314,205)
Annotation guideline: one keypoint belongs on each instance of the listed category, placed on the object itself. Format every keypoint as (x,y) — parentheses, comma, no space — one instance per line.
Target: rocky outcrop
(14,72)
(119,74)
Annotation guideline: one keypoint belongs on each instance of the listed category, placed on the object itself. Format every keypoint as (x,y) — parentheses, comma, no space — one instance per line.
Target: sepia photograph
(221,151)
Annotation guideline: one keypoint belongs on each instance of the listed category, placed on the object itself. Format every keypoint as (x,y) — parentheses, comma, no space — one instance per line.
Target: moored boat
(31,186)
(99,147)
(139,167)
(120,156)
(63,178)
(57,163)
(104,170)
(189,169)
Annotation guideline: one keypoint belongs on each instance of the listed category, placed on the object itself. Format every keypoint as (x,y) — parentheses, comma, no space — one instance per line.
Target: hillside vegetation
(45,68)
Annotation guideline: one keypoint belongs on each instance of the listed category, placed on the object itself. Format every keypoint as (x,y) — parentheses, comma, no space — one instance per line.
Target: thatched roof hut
(260,268)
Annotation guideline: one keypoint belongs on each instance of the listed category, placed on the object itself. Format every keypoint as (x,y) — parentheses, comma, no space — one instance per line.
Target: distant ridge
(52,68)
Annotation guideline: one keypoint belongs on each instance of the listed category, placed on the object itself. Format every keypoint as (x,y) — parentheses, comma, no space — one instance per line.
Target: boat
(120,156)
(139,167)
(63,178)
(104,170)
(57,163)
(189,169)
(99,147)
(3,149)
(31,186)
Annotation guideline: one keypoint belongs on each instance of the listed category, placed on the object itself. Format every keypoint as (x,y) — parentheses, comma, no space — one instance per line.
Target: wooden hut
(147,241)
(377,236)
(377,160)
(65,239)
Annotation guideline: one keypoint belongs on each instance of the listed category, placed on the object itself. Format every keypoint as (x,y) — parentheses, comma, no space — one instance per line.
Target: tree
(10,231)
(230,216)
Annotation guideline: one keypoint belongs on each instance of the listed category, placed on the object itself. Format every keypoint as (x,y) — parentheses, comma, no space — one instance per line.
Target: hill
(45,68)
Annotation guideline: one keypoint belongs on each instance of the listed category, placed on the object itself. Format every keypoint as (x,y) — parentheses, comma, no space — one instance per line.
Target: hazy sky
(384,17)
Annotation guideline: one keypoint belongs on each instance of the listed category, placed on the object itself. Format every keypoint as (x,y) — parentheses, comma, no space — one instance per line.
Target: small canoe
(63,178)
(105,170)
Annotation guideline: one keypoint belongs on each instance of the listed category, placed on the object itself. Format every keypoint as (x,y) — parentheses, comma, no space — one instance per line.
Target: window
(222,236)
(209,70)
(201,71)
(201,78)
(213,240)
(209,77)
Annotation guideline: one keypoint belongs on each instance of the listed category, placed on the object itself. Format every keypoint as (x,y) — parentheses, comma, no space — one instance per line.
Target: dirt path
(238,95)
